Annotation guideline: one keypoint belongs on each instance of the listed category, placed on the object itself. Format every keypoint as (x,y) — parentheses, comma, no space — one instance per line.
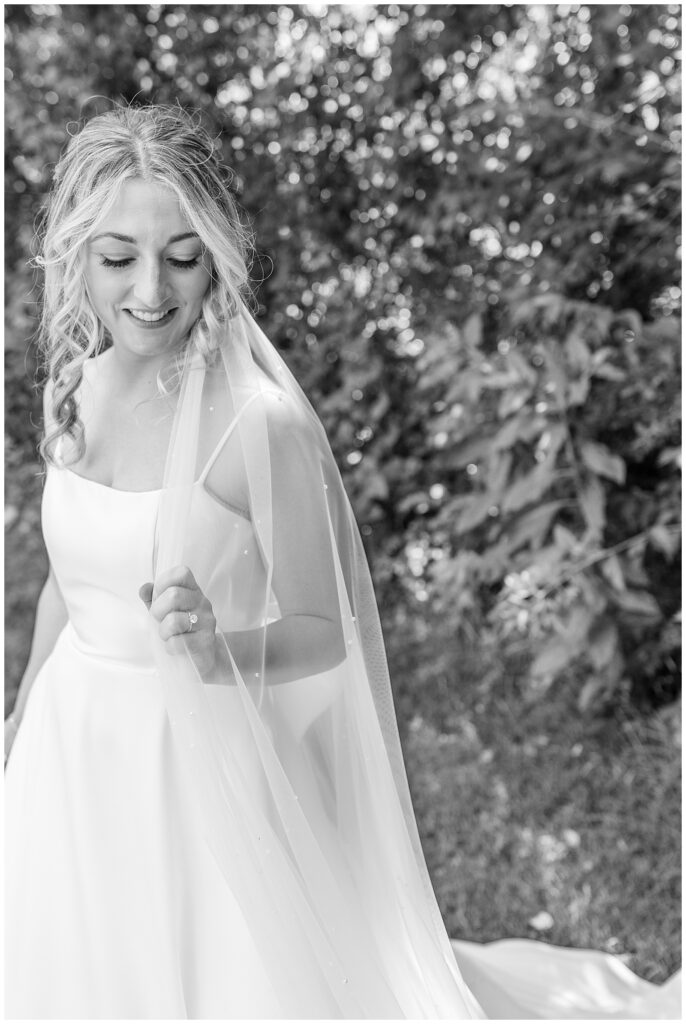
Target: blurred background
(467,220)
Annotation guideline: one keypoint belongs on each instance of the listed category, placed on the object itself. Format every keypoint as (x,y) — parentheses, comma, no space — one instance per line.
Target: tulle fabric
(297,772)
(524,979)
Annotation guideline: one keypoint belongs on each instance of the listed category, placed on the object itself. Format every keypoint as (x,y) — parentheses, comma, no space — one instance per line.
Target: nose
(151,286)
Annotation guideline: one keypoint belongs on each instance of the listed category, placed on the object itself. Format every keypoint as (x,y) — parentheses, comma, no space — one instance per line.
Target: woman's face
(146,274)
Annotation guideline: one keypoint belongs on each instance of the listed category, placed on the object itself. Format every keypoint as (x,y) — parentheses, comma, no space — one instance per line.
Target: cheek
(101,289)
(198,289)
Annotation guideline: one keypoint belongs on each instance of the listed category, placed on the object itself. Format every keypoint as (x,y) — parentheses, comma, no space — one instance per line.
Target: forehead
(144,209)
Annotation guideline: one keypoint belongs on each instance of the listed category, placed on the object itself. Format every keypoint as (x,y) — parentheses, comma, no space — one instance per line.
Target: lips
(150,320)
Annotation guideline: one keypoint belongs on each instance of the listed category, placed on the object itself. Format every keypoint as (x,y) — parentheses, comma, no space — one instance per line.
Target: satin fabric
(114,906)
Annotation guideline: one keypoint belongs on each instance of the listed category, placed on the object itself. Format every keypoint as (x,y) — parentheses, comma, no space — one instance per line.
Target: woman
(206,807)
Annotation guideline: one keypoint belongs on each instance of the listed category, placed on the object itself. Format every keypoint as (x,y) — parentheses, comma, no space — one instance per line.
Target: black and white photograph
(342,512)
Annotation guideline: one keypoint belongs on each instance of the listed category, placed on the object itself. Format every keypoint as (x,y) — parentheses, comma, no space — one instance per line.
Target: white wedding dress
(114,906)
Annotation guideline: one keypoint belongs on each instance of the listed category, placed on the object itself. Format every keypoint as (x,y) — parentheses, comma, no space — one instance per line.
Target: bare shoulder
(285,414)
(83,394)
(294,434)
(93,368)
(270,415)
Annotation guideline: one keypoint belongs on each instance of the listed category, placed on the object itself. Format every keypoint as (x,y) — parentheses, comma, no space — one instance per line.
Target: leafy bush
(557,515)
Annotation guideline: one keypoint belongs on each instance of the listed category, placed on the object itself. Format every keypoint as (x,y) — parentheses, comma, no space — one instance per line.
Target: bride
(206,809)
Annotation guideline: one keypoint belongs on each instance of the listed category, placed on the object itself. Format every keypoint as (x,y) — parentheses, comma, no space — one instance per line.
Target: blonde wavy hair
(159,144)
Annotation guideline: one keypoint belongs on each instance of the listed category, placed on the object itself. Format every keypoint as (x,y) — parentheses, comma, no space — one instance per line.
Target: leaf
(576,630)
(552,305)
(511,401)
(549,662)
(592,501)
(593,594)
(410,501)
(670,457)
(531,528)
(556,369)
(472,331)
(603,682)
(524,370)
(578,391)
(473,449)
(474,513)
(564,538)
(497,474)
(665,540)
(639,602)
(510,432)
(562,650)
(578,352)
(606,371)
(380,407)
(530,487)
(593,686)
(499,381)
(599,459)
(603,646)
(612,571)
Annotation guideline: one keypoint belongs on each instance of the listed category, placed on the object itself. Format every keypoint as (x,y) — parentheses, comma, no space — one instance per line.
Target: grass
(531,807)
(522,807)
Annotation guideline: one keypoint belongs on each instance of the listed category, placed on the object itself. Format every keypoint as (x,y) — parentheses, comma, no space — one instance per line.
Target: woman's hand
(181,609)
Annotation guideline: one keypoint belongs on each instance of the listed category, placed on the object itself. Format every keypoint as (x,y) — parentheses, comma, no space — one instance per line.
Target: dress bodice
(101,544)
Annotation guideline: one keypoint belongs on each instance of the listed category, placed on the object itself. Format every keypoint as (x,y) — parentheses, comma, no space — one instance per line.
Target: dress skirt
(114,905)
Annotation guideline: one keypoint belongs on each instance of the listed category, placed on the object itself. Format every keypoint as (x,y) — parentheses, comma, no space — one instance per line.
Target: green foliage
(467,225)
(558,498)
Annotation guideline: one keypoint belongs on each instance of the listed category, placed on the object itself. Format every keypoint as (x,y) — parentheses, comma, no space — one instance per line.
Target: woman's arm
(294,647)
(298,645)
(308,638)
(51,617)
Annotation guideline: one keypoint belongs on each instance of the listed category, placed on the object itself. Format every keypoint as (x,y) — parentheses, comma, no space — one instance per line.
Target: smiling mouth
(145,319)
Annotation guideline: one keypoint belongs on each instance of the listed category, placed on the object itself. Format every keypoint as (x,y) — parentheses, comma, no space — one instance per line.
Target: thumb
(145,594)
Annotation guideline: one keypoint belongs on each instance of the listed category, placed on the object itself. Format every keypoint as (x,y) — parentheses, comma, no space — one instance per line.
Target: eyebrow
(128,238)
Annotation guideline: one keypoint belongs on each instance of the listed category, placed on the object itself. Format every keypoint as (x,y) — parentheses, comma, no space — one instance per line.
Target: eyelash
(122,264)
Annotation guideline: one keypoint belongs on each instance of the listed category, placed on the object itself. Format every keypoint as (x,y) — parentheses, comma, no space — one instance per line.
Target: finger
(176,599)
(145,594)
(177,623)
(178,576)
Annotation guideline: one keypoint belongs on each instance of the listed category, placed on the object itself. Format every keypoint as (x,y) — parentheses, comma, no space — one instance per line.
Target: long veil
(291,745)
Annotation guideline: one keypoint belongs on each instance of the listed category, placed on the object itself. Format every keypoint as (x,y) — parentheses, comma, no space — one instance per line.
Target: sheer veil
(291,747)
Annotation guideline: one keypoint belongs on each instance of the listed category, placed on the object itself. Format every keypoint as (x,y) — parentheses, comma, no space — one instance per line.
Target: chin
(149,343)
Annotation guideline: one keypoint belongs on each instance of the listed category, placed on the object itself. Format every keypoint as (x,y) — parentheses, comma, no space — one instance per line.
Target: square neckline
(200,480)
(156,492)
(108,487)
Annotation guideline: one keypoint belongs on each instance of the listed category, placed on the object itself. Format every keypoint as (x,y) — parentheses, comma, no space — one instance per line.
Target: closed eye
(117,264)
(177,264)
(184,264)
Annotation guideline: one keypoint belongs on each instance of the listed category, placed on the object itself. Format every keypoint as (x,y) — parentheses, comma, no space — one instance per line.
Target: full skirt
(116,909)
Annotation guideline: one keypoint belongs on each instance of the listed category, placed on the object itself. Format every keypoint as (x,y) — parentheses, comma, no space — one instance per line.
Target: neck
(137,375)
